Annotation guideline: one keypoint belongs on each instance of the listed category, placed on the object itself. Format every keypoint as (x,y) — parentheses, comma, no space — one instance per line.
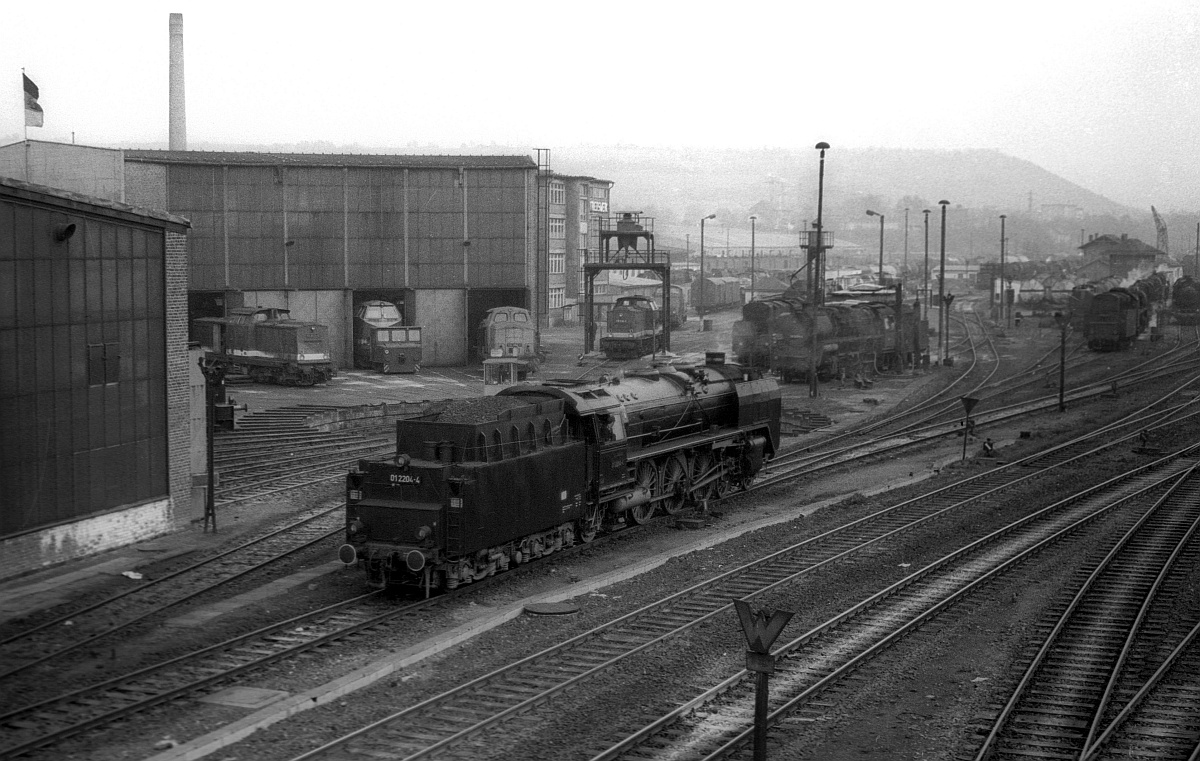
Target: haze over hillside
(692,181)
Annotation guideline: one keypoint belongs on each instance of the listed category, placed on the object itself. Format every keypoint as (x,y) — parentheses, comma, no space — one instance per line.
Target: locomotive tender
(269,346)
(635,328)
(856,332)
(481,484)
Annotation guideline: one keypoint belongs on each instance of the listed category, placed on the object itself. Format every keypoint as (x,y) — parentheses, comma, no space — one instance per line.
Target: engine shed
(95,433)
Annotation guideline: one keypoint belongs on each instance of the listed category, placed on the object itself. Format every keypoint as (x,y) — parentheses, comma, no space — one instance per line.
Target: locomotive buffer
(633,235)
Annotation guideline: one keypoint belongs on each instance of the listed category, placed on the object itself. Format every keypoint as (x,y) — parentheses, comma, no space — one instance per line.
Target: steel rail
(721,737)
(1054,641)
(571,674)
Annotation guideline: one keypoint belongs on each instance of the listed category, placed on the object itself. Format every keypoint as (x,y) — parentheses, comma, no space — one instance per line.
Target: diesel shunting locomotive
(382,342)
(267,345)
(479,485)
(635,328)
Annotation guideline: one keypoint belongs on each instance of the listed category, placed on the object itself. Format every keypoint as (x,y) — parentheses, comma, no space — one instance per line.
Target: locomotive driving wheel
(647,480)
(729,482)
(702,463)
(673,484)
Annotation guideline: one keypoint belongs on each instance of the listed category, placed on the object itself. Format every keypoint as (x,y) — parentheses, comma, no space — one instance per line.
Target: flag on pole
(33,112)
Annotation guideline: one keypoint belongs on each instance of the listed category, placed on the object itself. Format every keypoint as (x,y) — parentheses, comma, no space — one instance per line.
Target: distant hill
(680,179)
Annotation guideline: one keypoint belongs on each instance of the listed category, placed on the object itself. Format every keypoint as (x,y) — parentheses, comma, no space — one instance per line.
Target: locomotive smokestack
(177,129)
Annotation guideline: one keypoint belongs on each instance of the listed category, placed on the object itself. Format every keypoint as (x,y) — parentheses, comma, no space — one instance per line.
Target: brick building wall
(179,396)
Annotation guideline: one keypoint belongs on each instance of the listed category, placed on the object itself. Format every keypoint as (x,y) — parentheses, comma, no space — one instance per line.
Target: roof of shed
(255,158)
(80,203)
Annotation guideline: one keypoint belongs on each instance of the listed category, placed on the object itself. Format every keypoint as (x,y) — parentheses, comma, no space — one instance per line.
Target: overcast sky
(1103,92)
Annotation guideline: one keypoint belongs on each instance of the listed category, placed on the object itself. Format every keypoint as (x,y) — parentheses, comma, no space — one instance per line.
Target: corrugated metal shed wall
(348,226)
(82,393)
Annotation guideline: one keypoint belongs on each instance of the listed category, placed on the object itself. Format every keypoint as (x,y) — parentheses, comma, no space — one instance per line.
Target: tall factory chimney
(177,131)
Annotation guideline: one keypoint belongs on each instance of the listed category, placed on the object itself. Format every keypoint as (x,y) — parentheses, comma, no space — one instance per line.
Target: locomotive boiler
(855,333)
(267,345)
(479,485)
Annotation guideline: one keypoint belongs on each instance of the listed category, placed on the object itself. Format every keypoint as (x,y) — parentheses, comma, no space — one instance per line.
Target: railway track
(47,642)
(454,724)
(276,450)
(1083,672)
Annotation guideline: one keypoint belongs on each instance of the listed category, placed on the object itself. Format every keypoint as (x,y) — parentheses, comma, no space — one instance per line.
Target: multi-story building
(574,204)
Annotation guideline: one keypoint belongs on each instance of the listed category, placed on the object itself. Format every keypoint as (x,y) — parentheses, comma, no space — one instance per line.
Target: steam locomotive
(479,485)
(1185,301)
(635,328)
(1115,318)
(857,332)
(267,345)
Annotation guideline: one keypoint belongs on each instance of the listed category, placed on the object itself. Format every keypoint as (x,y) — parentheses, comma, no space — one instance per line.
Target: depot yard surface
(922,702)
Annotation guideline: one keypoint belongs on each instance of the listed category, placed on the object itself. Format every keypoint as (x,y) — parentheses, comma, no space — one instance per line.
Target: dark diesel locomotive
(1185,301)
(856,333)
(479,485)
(268,346)
(1115,318)
(382,343)
(635,328)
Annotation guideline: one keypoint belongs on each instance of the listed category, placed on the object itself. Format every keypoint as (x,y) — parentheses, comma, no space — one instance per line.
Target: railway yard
(1039,600)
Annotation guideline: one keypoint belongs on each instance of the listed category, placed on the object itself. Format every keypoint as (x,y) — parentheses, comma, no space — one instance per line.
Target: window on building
(104,364)
(558,298)
(558,193)
(558,264)
(558,227)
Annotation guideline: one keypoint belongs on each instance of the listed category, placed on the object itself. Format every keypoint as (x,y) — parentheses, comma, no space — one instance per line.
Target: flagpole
(25,125)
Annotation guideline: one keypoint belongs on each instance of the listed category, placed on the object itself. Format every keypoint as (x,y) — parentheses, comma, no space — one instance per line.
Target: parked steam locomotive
(1185,301)
(269,346)
(382,343)
(481,484)
(856,333)
(635,328)
(1114,319)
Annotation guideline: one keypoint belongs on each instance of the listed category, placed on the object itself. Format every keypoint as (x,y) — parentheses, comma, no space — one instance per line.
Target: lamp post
(877,214)
(753,219)
(904,271)
(819,256)
(943,317)
(1063,321)
(925,282)
(1003,290)
(700,306)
